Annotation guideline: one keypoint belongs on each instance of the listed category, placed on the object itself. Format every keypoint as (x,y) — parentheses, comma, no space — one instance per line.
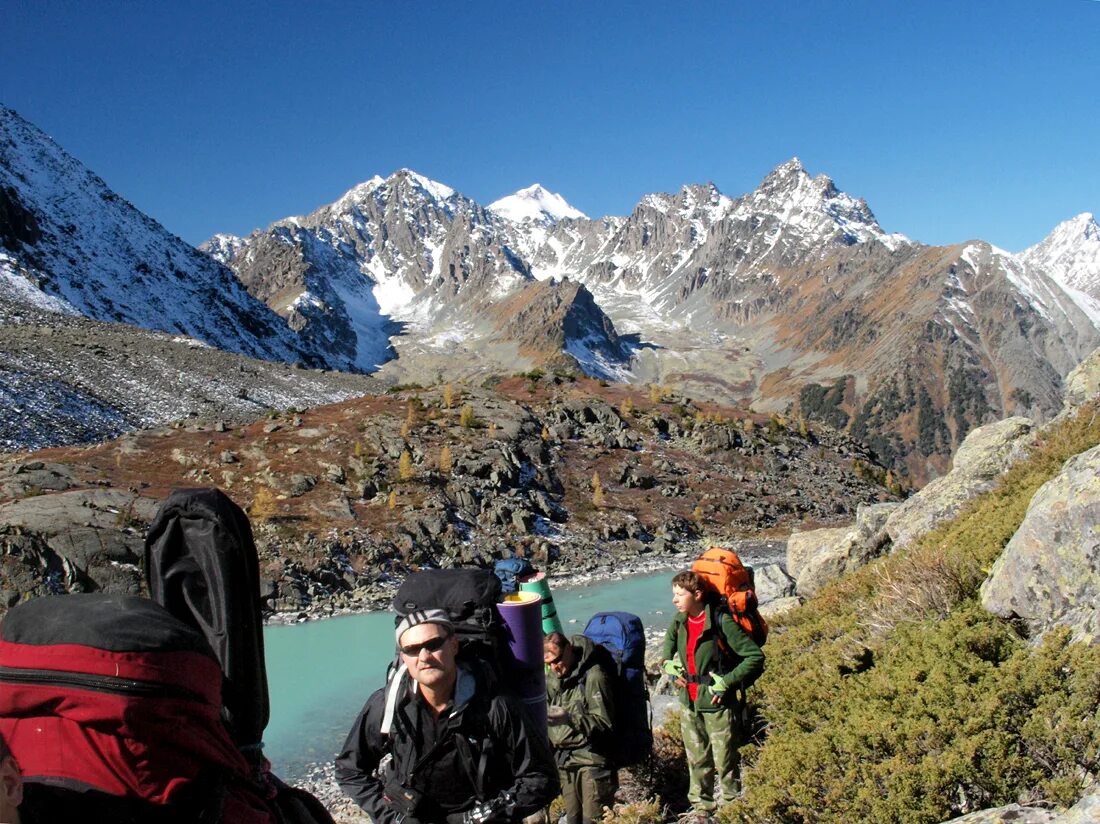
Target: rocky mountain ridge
(346,497)
(786,290)
(69,243)
(789,296)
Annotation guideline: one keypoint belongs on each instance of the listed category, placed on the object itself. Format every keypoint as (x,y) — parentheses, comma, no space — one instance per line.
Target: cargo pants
(586,791)
(710,743)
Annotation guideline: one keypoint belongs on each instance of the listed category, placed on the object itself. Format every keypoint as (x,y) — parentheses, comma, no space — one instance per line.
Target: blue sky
(954,120)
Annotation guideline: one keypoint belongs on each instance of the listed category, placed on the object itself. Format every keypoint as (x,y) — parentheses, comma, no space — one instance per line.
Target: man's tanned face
(429,651)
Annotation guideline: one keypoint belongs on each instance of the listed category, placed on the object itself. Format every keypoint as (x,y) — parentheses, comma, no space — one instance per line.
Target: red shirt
(695,629)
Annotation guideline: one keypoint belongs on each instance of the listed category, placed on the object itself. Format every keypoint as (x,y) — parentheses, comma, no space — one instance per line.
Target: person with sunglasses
(439,745)
(580,714)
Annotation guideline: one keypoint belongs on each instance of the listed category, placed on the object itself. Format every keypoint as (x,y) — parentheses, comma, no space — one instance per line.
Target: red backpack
(723,572)
(110,704)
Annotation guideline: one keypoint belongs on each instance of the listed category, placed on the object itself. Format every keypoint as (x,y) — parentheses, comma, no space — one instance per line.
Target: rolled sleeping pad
(538,584)
(521,615)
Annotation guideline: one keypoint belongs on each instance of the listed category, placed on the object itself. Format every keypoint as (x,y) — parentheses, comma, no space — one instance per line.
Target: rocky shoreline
(759,551)
(381,601)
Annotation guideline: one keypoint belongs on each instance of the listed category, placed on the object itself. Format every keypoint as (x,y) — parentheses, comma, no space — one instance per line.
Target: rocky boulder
(1083,382)
(1085,811)
(1012,814)
(1049,573)
(74,541)
(772,583)
(985,454)
(818,556)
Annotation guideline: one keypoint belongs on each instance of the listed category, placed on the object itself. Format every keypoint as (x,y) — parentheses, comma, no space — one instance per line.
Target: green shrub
(893,697)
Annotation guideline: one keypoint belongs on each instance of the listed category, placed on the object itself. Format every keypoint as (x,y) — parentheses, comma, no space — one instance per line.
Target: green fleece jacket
(739,669)
(587,693)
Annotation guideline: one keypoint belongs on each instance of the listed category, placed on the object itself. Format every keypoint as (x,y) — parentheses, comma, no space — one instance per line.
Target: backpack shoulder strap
(393,693)
(718,612)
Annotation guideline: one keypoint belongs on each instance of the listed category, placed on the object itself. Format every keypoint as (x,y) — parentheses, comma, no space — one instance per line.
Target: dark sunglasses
(431,645)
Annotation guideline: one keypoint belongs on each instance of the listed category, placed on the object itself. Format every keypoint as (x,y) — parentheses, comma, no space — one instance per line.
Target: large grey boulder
(73,541)
(1049,573)
(1012,814)
(773,609)
(818,556)
(1085,811)
(1083,382)
(771,583)
(981,459)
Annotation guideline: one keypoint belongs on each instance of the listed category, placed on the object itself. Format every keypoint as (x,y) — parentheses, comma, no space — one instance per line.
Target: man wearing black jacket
(437,746)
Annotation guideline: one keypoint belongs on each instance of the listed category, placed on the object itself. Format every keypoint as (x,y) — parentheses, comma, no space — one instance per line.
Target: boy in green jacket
(712,658)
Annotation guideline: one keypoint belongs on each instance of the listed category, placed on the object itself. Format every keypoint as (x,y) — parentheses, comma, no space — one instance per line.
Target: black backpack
(201,565)
(620,638)
(470,596)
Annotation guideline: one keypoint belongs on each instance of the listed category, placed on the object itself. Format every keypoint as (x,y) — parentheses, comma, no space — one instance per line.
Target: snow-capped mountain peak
(222,247)
(1071,253)
(535,204)
(814,208)
(357,194)
(434,188)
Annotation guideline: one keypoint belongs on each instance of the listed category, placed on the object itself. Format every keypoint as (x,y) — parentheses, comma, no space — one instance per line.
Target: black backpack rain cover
(200,564)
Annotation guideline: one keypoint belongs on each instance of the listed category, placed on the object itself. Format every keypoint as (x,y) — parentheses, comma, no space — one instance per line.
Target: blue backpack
(510,570)
(621,635)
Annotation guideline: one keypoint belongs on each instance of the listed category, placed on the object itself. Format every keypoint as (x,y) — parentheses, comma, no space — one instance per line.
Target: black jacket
(485,748)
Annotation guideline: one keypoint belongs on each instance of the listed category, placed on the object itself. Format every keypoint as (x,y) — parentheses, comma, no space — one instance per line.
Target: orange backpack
(723,572)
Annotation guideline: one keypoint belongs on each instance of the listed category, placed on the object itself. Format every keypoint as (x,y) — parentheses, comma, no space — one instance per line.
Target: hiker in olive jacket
(581,713)
(713,659)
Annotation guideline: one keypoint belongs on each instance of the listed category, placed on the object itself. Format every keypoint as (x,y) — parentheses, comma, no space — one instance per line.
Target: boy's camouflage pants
(711,742)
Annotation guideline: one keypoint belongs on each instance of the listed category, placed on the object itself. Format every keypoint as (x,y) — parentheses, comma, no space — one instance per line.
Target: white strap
(393,691)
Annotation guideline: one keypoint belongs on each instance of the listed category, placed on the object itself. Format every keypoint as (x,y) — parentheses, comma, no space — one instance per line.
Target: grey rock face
(1049,573)
(983,456)
(73,541)
(1012,814)
(772,583)
(1083,382)
(818,556)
